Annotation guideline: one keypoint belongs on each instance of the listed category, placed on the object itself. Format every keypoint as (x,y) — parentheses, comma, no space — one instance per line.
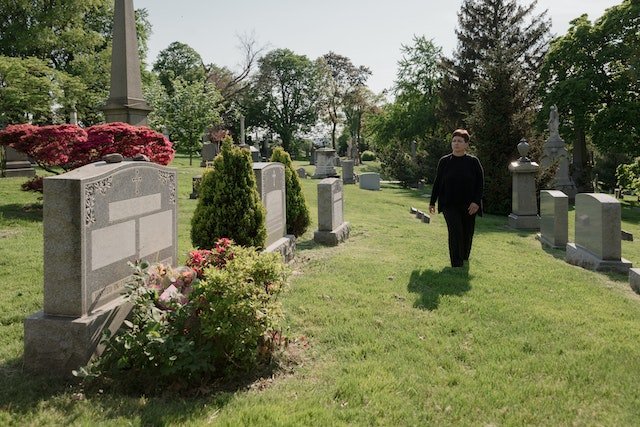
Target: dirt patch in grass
(8,233)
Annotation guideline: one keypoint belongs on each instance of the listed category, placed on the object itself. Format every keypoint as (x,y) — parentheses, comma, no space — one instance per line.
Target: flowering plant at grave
(201,259)
(70,146)
(186,329)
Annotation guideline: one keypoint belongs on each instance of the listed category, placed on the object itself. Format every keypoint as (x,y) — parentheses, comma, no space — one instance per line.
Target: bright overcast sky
(368,32)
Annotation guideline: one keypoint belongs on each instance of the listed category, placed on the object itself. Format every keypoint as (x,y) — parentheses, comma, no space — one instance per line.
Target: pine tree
(297,212)
(489,85)
(229,204)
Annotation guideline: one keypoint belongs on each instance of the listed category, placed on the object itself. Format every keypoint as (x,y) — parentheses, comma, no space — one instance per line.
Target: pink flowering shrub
(217,318)
(70,146)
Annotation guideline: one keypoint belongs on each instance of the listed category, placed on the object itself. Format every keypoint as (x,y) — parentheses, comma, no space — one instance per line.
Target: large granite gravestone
(126,102)
(97,219)
(16,163)
(270,177)
(332,229)
(555,153)
(370,181)
(598,244)
(554,218)
(208,152)
(524,205)
(325,163)
(348,176)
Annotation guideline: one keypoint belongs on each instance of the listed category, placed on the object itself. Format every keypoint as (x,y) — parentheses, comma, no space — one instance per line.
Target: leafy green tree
(340,79)
(284,95)
(229,204)
(187,114)
(298,219)
(179,61)
(483,26)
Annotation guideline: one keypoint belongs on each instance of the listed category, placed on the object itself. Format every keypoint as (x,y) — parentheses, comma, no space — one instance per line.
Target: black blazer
(459,181)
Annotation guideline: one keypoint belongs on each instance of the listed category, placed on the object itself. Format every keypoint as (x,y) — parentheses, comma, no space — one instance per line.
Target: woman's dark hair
(461,132)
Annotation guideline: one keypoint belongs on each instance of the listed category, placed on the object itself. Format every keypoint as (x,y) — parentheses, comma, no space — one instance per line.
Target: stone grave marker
(347,172)
(325,163)
(332,229)
(598,244)
(370,181)
(524,206)
(270,177)
(16,163)
(302,173)
(554,218)
(208,152)
(96,219)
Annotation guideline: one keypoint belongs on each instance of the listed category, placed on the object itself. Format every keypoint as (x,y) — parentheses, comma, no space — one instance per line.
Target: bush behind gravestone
(298,219)
(229,204)
(186,330)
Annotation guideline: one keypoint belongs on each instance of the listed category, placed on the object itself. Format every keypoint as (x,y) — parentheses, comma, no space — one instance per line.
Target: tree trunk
(580,162)
(190,159)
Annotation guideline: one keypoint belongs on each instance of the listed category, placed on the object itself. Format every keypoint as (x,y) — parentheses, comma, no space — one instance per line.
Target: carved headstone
(555,152)
(16,164)
(370,181)
(554,218)
(325,163)
(331,226)
(347,172)
(97,219)
(524,207)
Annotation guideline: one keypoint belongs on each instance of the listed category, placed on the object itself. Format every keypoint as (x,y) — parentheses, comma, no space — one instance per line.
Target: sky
(370,33)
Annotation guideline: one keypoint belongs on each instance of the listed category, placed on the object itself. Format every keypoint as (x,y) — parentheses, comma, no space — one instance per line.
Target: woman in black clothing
(458,190)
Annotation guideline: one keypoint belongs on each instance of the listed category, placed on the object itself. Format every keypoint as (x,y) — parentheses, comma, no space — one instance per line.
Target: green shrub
(397,163)
(229,204)
(368,156)
(298,219)
(184,332)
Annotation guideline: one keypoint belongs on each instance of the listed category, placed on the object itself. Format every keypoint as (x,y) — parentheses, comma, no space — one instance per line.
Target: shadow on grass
(22,394)
(27,212)
(431,284)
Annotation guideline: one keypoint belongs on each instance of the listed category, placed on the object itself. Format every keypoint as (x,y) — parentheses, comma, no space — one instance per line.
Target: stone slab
(333,237)
(285,246)
(634,279)
(370,181)
(348,177)
(582,257)
(524,222)
(56,345)
(598,225)
(330,204)
(270,178)
(554,218)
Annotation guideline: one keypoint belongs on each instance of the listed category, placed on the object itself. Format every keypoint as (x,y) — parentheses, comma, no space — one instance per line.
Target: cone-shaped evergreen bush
(297,212)
(229,204)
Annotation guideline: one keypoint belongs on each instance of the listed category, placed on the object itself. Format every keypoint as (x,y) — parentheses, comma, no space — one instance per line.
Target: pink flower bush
(172,286)
(201,259)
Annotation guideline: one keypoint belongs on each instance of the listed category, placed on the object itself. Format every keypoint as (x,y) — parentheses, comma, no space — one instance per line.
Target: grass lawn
(395,337)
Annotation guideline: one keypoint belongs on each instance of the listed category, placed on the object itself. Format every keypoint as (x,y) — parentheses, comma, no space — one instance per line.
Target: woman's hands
(432,209)
(473,208)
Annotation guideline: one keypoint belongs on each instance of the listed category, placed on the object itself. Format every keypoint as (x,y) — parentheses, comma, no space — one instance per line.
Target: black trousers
(461,226)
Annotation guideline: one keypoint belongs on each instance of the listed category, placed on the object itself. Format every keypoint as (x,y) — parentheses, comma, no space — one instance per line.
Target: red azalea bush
(70,146)
(201,259)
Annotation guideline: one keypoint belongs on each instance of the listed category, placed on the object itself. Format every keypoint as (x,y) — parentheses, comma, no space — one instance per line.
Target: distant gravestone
(554,218)
(302,173)
(555,153)
(347,172)
(195,187)
(332,229)
(208,152)
(96,218)
(325,163)
(270,177)
(370,181)
(598,244)
(16,164)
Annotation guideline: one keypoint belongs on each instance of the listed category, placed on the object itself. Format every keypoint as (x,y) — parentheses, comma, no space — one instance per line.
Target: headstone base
(549,243)
(577,255)
(56,345)
(524,222)
(333,237)
(19,172)
(634,279)
(286,246)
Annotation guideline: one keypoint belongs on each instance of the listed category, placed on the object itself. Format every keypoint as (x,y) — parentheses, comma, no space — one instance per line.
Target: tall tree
(187,113)
(591,74)
(179,61)
(340,80)
(284,95)
(483,26)
(491,84)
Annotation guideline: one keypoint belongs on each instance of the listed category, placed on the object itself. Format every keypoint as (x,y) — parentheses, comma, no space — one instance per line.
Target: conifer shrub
(297,212)
(229,204)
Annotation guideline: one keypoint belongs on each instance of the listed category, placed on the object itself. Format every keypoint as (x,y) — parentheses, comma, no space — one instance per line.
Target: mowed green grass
(383,331)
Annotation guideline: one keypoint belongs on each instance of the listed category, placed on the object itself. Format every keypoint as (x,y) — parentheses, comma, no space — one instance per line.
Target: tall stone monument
(555,152)
(126,102)
(524,206)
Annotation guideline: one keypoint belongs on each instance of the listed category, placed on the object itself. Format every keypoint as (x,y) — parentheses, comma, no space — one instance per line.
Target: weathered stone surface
(524,207)
(271,187)
(16,164)
(554,218)
(325,163)
(208,153)
(634,279)
(348,176)
(333,237)
(370,181)
(302,173)
(598,244)
(97,219)
(331,226)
